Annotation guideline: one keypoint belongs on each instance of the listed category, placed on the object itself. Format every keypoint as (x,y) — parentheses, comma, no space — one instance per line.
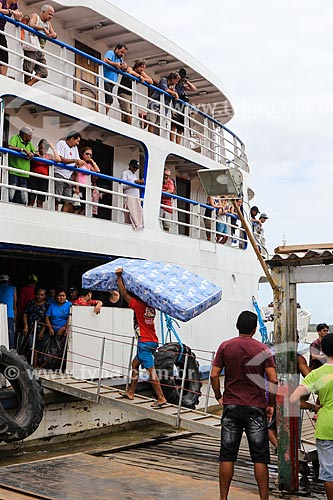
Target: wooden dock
(182,466)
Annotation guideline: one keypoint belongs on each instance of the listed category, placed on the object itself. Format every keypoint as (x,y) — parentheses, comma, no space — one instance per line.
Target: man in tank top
(43,24)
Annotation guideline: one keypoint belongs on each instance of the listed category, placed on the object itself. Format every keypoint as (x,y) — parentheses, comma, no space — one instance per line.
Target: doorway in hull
(52,267)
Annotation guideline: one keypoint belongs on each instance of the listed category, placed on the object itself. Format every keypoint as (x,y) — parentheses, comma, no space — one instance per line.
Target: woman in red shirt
(39,167)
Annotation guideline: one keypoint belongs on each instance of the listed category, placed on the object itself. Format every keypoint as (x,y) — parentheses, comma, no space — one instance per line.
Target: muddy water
(21,452)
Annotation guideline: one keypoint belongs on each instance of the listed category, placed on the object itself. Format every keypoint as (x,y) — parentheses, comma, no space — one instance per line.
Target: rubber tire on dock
(29,394)
(166,358)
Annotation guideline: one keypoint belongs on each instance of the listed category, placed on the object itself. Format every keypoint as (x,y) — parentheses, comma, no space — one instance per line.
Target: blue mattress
(167,287)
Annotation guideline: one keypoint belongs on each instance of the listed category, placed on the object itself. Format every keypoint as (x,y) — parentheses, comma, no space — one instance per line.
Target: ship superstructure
(61,246)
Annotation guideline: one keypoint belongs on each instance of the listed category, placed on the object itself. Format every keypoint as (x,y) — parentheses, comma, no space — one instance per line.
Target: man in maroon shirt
(144,317)
(317,358)
(246,362)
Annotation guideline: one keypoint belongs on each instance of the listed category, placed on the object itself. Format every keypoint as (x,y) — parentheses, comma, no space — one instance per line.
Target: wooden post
(254,244)
(285,340)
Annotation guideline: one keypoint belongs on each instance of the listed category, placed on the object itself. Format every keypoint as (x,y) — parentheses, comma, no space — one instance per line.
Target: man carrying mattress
(144,317)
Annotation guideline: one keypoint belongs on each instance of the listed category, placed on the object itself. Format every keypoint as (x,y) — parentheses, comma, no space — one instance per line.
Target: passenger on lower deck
(85,299)
(8,296)
(34,312)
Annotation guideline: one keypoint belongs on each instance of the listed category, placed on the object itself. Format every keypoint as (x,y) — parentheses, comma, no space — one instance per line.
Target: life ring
(18,423)
(166,359)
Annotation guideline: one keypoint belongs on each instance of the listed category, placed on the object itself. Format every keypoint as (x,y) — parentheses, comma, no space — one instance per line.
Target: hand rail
(75,169)
(102,63)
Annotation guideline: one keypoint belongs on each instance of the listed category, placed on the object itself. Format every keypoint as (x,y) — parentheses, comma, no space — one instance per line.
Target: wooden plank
(303,248)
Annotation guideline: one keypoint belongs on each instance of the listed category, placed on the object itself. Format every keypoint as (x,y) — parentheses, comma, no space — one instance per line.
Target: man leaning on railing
(43,24)
(21,143)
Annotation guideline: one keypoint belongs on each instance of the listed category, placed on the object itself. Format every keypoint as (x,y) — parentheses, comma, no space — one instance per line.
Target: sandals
(158,405)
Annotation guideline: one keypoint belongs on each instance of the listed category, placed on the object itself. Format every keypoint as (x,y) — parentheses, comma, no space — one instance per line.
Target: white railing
(202,133)
(196,227)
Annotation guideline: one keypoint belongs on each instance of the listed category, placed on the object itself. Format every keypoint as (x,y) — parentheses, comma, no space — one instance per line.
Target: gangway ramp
(192,420)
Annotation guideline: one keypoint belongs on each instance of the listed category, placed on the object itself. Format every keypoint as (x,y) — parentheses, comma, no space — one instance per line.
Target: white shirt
(66,152)
(130,176)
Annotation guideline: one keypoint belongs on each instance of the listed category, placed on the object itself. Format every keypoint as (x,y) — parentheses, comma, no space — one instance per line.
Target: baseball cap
(134,163)
(263,216)
(26,130)
(255,208)
(4,277)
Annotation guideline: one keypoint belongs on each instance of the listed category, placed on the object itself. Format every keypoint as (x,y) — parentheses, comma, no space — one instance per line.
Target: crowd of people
(176,85)
(219,207)
(44,314)
(66,152)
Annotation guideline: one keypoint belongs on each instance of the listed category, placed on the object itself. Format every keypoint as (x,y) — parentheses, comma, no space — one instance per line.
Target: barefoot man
(144,316)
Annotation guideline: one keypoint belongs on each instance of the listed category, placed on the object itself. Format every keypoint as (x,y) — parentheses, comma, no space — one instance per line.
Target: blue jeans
(15,195)
(253,421)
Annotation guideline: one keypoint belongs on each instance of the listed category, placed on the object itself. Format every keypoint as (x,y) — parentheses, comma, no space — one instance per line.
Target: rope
(169,323)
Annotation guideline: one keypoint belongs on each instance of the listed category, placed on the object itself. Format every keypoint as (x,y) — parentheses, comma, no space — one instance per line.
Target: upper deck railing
(83,86)
(188,217)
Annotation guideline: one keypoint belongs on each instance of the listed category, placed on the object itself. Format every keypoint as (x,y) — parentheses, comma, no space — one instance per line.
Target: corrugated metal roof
(306,258)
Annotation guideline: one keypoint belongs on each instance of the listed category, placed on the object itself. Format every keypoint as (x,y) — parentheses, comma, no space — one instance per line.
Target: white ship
(60,246)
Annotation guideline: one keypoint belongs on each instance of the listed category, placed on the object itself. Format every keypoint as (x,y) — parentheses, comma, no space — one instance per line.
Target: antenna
(284,240)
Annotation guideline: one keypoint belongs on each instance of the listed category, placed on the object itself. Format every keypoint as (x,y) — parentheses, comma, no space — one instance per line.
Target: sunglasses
(88,154)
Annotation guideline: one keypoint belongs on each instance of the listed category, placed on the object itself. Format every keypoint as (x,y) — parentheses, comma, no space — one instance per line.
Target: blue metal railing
(105,65)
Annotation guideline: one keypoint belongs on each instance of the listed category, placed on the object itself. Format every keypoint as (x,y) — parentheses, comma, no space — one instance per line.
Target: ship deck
(181,466)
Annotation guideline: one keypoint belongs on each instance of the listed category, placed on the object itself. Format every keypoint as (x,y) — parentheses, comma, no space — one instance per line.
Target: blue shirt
(7,293)
(110,72)
(58,314)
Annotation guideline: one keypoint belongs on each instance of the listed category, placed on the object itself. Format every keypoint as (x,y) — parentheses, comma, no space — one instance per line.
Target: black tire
(166,358)
(21,422)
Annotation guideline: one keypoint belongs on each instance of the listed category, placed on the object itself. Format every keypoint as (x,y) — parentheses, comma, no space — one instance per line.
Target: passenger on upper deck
(253,214)
(166,211)
(124,95)
(134,215)
(39,167)
(221,219)
(20,142)
(168,85)
(69,154)
(82,178)
(43,24)
(115,59)
(213,201)
(183,86)
(8,9)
